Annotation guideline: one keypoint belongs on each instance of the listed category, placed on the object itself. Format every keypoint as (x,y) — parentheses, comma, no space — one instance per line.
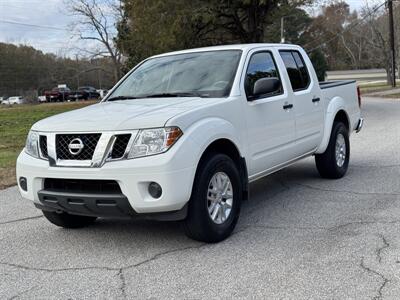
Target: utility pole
(392,47)
(282,30)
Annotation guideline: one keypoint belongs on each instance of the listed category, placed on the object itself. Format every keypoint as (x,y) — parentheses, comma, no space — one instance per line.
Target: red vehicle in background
(57,94)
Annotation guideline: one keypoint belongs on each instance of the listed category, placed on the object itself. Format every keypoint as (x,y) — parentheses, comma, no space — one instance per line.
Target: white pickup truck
(182,135)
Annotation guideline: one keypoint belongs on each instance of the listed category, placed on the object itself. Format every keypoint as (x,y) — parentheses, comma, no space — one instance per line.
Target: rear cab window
(296,69)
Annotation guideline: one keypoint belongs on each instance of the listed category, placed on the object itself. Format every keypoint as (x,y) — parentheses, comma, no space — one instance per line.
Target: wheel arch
(342,116)
(229,148)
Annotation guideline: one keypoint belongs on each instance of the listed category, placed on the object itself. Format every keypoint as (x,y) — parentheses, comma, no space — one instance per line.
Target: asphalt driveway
(299,237)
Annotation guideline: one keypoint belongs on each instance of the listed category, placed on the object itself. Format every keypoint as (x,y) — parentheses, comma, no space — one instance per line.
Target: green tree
(319,62)
(151,27)
(248,20)
(330,32)
(26,71)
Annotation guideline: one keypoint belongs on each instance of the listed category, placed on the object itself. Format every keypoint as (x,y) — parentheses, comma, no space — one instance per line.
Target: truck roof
(243,47)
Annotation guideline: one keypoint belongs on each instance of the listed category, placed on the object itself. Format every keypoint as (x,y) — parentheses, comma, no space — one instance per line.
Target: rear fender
(335,105)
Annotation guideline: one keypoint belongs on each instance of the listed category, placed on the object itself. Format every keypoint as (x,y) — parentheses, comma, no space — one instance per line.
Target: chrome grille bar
(101,154)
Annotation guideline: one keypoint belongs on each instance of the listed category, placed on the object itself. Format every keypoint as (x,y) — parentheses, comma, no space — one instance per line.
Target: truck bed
(345,91)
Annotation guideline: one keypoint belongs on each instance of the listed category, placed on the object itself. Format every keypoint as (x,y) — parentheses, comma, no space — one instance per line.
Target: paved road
(299,237)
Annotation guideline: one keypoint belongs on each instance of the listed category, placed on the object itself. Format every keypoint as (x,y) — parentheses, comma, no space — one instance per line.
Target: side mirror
(266,86)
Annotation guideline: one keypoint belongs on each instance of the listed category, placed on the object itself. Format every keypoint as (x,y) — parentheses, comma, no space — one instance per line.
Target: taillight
(359,96)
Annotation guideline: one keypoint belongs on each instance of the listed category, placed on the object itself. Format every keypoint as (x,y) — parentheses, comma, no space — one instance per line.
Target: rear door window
(302,68)
(296,69)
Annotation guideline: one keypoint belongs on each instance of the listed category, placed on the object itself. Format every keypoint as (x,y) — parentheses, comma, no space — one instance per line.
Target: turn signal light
(173,134)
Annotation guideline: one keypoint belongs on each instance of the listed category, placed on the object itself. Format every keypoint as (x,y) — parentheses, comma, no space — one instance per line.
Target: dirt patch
(7,178)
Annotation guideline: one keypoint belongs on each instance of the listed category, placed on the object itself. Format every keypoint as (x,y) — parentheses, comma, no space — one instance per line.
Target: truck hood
(121,115)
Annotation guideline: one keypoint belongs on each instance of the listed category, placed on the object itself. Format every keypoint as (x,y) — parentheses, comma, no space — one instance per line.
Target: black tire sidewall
(198,211)
(326,162)
(340,128)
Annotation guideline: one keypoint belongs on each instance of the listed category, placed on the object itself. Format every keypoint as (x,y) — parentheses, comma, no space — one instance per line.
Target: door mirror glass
(265,86)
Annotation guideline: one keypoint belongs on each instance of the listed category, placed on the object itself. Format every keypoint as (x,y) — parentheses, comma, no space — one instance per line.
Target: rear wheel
(68,221)
(334,162)
(216,198)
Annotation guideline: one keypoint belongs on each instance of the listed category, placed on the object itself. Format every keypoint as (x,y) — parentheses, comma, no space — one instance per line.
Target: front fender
(335,105)
(208,130)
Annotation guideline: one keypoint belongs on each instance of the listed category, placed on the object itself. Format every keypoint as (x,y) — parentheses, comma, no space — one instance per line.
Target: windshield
(203,74)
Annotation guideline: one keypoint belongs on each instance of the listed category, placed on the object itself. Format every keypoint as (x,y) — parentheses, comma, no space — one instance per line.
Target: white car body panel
(270,129)
(120,115)
(338,99)
(309,115)
(266,136)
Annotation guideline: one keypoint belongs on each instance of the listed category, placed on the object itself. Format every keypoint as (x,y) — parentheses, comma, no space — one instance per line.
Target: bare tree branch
(97,21)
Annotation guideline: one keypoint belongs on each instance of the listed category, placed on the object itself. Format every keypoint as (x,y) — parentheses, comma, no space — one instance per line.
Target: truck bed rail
(334,83)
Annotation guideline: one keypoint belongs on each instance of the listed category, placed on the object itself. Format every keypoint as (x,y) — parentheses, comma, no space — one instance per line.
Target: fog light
(155,190)
(23,184)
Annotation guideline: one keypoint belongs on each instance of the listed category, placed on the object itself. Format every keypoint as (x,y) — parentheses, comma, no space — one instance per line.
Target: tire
(328,165)
(199,224)
(68,221)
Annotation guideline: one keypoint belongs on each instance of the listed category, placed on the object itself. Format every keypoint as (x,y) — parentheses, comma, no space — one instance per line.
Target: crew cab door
(270,118)
(308,106)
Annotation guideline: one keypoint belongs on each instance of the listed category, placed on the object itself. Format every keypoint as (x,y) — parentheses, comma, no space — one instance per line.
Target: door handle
(287,106)
(316,100)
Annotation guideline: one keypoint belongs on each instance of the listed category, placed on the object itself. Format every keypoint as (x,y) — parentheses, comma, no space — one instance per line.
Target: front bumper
(101,205)
(133,176)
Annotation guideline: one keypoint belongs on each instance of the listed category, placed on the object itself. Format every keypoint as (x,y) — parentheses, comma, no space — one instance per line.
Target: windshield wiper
(116,98)
(162,95)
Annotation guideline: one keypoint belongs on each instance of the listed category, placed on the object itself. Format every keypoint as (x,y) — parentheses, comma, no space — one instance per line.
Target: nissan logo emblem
(75,146)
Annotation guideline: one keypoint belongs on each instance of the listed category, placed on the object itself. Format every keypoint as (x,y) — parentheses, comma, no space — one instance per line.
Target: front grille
(82,186)
(120,145)
(43,146)
(89,142)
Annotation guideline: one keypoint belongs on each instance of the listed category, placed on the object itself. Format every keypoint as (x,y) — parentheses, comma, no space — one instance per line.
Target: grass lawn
(15,122)
(368,88)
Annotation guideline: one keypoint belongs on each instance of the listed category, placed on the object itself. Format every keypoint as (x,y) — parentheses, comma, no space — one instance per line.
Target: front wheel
(334,162)
(214,206)
(68,221)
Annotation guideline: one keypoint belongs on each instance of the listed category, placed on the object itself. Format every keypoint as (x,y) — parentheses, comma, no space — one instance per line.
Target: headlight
(31,146)
(154,141)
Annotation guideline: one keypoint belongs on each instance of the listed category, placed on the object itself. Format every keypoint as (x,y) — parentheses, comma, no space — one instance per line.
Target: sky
(54,14)
(50,13)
